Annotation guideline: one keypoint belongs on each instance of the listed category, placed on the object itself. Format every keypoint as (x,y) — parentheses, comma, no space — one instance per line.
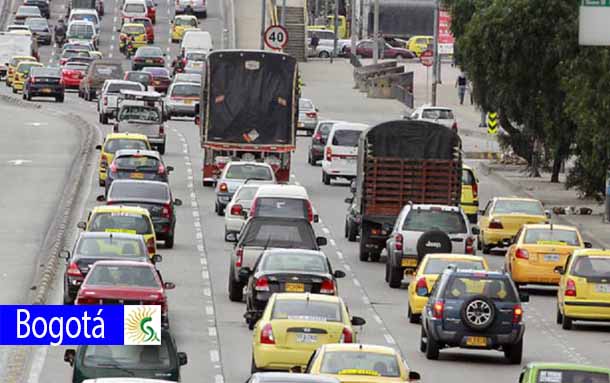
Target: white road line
(212,331)
(195,213)
(377,319)
(110,55)
(207,292)
(365,299)
(219,379)
(347,267)
(112,37)
(325,230)
(332,242)
(209,310)
(339,255)
(214,356)
(205,275)
(389,339)
(356,282)
(111,47)
(114,20)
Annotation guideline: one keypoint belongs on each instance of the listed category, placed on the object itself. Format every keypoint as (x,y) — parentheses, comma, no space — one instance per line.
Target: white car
(18,27)
(437,114)
(199,7)
(341,151)
(132,9)
(82,31)
(283,201)
(234,174)
(85,15)
(181,99)
(237,210)
(107,104)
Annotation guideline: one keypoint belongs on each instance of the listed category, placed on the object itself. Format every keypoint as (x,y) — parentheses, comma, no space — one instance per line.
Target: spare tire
(433,241)
(478,313)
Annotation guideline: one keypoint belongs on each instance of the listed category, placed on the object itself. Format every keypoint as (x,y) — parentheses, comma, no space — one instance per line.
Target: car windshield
(551,237)
(195,56)
(113,145)
(84,17)
(149,52)
(309,310)
(110,247)
(360,363)
(282,207)
(294,262)
(188,77)
(135,8)
(493,288)
(127,190)
(183,21)
(134,29)
(138,112)
(121,223)
(438,265)
(36,23)
(244,171)
(45,72)
(117,87)
(245,193)
(185,90)
(344,137)
(572,376)
(128,357)
(518,207)
(80,31)
(137,163)
(437,114)
(284,234)
(591,267)
(123,275)
(450,222)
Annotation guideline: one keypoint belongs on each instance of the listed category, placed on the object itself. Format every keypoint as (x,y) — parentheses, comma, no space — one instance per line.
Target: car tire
(486,249)
(204,14)
(24,96)
(325,178)
(251,323)
(309,159)
(91,95)
(433,237)
(236,290)
(67,299)
(514,352)
(363,253)
(479,243)
(413,318)
(559,317)
(323,55)
(566,323)
(104,118)
(482,302)
(351,233)
(472,218)
(169,241)
(432,349)
(395,275)
(162,149)
(422,343)
(59,98)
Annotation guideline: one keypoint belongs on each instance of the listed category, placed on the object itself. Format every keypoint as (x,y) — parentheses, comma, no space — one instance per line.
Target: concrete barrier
(362,73)
(365,81)
(381,86)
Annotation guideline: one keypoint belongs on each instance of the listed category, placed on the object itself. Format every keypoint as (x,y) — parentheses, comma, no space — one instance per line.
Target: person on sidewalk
(315,41)
(470,92)
(461,83)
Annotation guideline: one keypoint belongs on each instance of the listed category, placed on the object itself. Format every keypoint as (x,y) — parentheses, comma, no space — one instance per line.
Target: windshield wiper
(116,366)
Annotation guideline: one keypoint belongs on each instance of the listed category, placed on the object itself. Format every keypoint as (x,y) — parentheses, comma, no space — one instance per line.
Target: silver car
(181,99)
(39,26)
(234,175)
(187,77)
(198,6)
(308,115)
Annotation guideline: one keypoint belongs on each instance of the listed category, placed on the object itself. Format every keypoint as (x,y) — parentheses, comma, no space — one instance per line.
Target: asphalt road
(211,329)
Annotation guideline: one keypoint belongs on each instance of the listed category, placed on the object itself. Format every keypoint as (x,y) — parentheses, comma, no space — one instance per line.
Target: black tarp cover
(405,18)
(251,98)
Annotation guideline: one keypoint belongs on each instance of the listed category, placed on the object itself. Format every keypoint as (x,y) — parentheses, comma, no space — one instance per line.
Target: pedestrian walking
(461,83)
(315,41)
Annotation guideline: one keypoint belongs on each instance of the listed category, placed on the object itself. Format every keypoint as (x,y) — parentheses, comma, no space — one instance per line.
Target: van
(341,151)
(283,201)
(196,40)
(86,15)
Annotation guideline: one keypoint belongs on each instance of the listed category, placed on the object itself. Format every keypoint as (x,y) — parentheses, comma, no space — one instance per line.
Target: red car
(365,49)
(150,30)
(161,78)
(125,282)
(151,8)
(72,73)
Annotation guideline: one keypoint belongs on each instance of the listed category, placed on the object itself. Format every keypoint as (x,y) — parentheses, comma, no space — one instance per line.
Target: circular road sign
(427,57)
(276,37)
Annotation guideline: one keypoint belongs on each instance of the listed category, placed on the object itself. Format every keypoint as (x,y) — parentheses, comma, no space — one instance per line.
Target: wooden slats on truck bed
(390,183)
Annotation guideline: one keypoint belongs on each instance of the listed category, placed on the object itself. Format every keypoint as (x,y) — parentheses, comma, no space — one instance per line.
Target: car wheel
(24,96)
(432,349)
(236,290)
(413,318)
(363,254)
(351,233)
(104,118)
(559,318)
(60,98)
(345,228)
(67,299)
(479,243)
(375,256)
(422,342)
(325,178)
(251,323)
(394,276)
(323,55)
(162,149)
(566,323)
(91,95)
(399,57)
(169,241)
(514,352)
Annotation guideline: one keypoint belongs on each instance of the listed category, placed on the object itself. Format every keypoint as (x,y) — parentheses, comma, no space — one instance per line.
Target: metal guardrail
(384,80)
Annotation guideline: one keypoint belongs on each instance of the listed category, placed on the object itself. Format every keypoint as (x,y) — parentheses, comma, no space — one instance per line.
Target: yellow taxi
(538,249)
(114,142)
(123,219)
(12,66)
(21,72)
(428,272)
(504,216)
(181,24)
(362,363)
(135,31)
(277,342)
(418,44)
(470,194)
(584,288)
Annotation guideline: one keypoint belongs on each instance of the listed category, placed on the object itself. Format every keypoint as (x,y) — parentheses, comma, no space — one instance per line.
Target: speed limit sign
(276,37)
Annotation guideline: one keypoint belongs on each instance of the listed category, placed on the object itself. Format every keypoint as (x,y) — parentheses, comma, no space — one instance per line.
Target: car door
(484,218)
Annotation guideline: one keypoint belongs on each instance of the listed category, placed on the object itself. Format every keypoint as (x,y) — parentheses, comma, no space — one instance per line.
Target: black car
(474,309)
(152,362)
(43,5)
(318,141)
(40,29)
(287,377)
(152,195)
(137,164)
(92,247)
(286,270)
(44,82)
(148,57)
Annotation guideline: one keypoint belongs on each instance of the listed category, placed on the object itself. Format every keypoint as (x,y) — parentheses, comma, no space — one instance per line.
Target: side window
(523,375)
(517,236)
(487,208)
(310,362)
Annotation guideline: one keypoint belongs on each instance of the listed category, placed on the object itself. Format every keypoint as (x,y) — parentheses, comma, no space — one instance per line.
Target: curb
(18,102)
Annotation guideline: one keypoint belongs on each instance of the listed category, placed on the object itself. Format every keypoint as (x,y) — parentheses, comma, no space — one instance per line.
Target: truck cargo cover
(251,98)
(405,17)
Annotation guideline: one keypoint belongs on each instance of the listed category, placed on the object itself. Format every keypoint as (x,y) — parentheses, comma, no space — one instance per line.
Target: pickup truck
(108,102)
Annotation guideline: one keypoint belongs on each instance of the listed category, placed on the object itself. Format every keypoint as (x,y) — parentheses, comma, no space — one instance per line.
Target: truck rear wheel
(325,178)
(364,252)
(394,276)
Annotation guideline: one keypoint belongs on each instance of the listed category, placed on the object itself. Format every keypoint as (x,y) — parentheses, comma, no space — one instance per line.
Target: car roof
(307,296)
(567,366)
(128,136)
(357,347)
(131,152)
(132,25)
(185,17)
(103,234)
(24,63)
(591,252)
(144,182)
(282,190)
(283,377)
(516,199)
(469,273)
(457,257)
(125,380)
(83,11)
(120,208)
(549,226)
(248,163)
(349,126)
(416,206)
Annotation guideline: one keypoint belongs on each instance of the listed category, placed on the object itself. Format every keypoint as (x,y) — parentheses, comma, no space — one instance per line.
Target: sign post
(276,37)
(593,26)
(427,59)
(492,123)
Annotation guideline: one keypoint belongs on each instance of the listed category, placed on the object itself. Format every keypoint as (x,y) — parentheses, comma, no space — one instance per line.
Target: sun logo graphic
(142,325)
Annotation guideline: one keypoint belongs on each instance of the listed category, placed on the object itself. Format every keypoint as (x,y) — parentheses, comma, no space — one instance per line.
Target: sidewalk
(554,195)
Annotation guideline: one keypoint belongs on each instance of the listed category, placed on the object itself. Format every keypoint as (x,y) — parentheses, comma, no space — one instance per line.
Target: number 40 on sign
(276,37)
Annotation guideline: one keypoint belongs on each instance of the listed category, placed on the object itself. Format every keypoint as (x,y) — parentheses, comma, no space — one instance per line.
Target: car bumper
(271,357)
(223,199)
(523,271)
(162,227)
(497,237)
(307,125)
(157,140)
(49,91)
(233,224)
(458,338)
(417,303)
(73,287)
(72,83)
(330,168)
(181,110)
(587,310)
(199,9)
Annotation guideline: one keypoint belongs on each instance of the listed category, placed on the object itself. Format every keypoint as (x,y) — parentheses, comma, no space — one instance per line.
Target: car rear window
(80,31)
(185,90)
(306,310)
(135,8)
(45,72)
(294,262)
(128,357)
(283,234)
(281,207)
(498,289)
(360,363)
(196,56)
(120,143)
(518,207)
(110,247)
(117,87)
(137,112)
(324,128)
(468,177)
(571,376)
(551,237)
(246,194)
(120,223)
(111,275)
(437,114)
(139,77)
(149,52)
(182,21)
(450,222)
(137,163)
(109,71)
(134,29)
(346,137)
(591,267)
(84,17)
(242,172)
(437,266)
(142,190)
(305,104)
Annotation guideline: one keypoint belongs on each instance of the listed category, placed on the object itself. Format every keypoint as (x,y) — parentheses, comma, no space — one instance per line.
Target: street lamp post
(376,32)
(263,15)
(436,61)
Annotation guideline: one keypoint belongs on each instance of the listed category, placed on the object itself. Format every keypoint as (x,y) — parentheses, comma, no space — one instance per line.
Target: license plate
(602,288)
(300,124)
(157,82)
(551,257)
(476,341)
(409,262)
(188,102)
(294,287)
(137,176)
(307,338)
(46,90)
(149,61)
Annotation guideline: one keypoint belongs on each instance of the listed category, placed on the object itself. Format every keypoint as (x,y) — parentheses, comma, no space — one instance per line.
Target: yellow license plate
(409,262)
(294,287)
(476,341)
(137,176)
(188,102)
(46,90)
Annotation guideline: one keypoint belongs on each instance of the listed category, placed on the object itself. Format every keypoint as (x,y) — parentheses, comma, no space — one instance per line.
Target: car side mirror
(559,270)
(157,258)
(244,274)
(81,225)
(321,241)
(64,254)
(69,356)
(169,285)
(524,297)
(98,147)
(182,358)
(296,370)
(349,200)
(316,218)
(100,198)
(475,230)
(197,120)
(358,321)
(169,169)
(178,202)
(352,186)
(507,242)
(547,213)
(317,110)
(339,274)
(414,375)
(588,245)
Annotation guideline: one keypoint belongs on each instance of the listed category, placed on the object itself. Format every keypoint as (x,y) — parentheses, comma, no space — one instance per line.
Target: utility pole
(375,33)
(317,11)
(283,15)
(354,25)
(263,14)
(336,31)
(436,61)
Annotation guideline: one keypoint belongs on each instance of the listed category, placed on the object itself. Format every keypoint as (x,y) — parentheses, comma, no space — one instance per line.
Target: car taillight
(327,287)
(105,101)
(87,301)
(74,271)
(317,136)
(104,162)
(253,208)
(223,187)
(236,210)
(32,80)
(329,154)
(123,37)
(570,288)
(398,241)
(267,335)
(517,314)
(150,245)
(161,130)
(346,336)
(311,114)
(239,255)
(167,211)
(469,245)
(454,126)
(421,287)
(475,189)
(309,212)
(522,254)
(113,167)
(495,224)
(437,310)
(262,284)
(161,169)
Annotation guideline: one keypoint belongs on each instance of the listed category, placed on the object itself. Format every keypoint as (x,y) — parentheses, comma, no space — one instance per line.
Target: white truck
(108,102)
(13,44)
